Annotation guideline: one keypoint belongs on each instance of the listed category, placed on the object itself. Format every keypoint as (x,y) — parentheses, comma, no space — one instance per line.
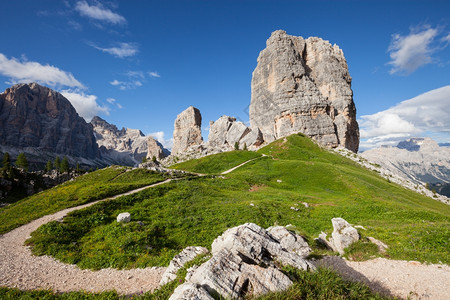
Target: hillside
(266,191)
(272,189)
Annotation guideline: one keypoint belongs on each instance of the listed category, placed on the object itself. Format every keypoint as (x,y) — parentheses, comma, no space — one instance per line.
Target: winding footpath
(20,269)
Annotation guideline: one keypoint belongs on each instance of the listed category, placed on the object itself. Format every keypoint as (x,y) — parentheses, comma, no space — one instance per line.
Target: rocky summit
(303,85)
(43,121)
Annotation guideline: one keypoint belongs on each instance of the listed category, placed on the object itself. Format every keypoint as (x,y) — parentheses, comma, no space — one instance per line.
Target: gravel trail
(19,268)
(403,279)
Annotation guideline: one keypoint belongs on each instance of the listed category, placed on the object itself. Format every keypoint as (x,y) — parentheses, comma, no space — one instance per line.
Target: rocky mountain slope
(126,146)
(420,160)
(42,122)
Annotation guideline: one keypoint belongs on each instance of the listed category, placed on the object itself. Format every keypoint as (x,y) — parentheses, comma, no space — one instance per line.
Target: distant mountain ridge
(420,160)
(43,124)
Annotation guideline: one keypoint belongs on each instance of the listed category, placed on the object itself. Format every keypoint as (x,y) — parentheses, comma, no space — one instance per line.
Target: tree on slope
(64,165)
(22,161)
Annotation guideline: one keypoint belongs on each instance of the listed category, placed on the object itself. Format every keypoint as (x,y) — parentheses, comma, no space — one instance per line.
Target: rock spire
(304,86)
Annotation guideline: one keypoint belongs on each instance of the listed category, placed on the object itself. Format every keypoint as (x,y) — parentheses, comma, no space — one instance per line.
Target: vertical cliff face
(187,130)
(35,116)
(303,86)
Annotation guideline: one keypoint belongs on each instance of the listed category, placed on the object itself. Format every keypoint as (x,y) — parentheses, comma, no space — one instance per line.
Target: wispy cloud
(113,101)
(85,105)
(426,114)
(27,71)
(154,74)
(134,80)
(126,85)
(99,13)
(414,50)
(121,51)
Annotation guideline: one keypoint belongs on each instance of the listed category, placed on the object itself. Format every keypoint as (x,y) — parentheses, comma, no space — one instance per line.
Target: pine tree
(57,163)
(6,162)
(236,146)
(153,158)
(245,147)
(77,168)
(49,166)
(22,161)
(64,165)
(144,159)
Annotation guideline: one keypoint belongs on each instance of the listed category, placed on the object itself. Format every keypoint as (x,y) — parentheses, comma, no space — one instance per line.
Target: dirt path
(404,279)
(238,166)
(19,268)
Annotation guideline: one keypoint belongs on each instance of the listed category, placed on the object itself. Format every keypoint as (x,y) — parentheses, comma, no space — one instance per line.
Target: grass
(87,188)
(194,212)
(216,163)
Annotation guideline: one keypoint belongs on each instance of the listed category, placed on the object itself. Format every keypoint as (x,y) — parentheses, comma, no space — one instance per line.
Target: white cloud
(85,105)
(28,71)
(126,85)
(110,100)
(412,51)
(159,136)
(154,74)
(123,50)
(99,13)
(426,114)
(119,106)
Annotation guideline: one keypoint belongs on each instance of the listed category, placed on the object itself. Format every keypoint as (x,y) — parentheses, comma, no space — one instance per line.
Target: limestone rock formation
(124,217)
(290,241)
(190,291)
(226,131)
(188,254)
(343,235)
(243,262)
(126,146)
(155,149)
(187,130)
(303,86)
(39,120)
(420,160)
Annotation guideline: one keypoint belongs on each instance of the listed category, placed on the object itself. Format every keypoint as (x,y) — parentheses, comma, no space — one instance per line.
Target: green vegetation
(196,211)
(49,166)
(22,161)
(87,188)
(64,165)
(322,284)
(216,163)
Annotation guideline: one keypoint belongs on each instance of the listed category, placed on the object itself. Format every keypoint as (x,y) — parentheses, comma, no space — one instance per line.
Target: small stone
(124,217)
(279,180)
(294,208)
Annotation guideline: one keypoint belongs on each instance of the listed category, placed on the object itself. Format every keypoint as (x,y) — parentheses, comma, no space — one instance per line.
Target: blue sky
(139,63)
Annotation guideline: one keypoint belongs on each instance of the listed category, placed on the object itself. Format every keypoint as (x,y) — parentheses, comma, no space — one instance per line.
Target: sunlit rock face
(303,85)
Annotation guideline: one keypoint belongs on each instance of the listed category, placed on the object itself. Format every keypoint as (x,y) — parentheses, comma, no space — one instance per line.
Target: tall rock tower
(304,86)
(187,130)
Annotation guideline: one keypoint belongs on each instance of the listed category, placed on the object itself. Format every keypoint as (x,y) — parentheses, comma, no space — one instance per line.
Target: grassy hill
(267,191)
(87,188)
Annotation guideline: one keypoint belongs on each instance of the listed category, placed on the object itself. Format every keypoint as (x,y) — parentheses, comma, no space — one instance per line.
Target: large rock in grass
(343,235)
(187,130)
(304,86)
(245,261)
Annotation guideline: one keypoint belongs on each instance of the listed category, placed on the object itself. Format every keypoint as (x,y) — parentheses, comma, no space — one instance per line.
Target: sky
(139,63)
